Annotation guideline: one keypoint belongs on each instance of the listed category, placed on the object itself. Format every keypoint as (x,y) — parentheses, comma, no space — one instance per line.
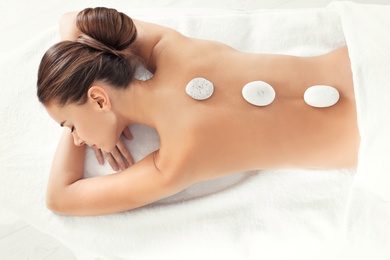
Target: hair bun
(113,29)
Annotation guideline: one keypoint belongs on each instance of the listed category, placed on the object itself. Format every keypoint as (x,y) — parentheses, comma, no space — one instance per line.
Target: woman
(87,84)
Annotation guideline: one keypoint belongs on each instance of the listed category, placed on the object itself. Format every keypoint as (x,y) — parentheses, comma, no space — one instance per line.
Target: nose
(77,140)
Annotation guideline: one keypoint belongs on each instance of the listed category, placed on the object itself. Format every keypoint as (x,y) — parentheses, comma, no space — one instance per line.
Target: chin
(109,149)
(109,145)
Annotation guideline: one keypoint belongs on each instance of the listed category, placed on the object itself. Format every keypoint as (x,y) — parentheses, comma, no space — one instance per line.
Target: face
(93,123)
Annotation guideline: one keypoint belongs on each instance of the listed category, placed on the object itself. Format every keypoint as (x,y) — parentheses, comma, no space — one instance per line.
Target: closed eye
(71,129)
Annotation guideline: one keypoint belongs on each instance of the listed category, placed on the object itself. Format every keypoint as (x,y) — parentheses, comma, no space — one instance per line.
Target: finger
(127,133)
(99,155)
(110,159)
(119,159)
(125,152)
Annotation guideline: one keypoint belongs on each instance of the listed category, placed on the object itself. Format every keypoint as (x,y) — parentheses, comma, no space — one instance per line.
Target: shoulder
(69,16)
(154,40)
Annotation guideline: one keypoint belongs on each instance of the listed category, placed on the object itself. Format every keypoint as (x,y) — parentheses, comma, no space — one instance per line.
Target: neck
(137,104)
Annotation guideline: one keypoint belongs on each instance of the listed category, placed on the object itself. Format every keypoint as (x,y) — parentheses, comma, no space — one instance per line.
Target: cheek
(105,133)
(89,130)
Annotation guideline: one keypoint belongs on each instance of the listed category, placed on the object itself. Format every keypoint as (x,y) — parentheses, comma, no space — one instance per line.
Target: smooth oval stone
(200,88)
(258,93)
(321,96)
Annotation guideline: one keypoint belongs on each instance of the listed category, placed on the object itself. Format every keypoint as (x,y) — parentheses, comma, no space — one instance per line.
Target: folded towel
(367,28)
(243,216)
(367,33)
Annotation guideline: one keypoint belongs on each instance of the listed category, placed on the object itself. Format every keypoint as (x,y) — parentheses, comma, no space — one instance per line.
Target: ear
(99,98)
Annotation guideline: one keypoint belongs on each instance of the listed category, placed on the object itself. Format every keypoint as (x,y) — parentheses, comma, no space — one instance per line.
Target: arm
(69,194)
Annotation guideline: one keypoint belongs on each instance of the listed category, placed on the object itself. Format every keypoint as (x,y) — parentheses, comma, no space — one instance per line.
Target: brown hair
(101,52)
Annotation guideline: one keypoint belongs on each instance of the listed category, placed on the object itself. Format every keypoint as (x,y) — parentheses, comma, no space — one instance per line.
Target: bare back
(225,134)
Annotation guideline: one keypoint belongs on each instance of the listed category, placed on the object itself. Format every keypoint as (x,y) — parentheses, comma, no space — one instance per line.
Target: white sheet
(367,32)
(243,216)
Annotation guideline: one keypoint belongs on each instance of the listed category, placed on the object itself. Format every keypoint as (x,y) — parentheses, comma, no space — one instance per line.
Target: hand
(120,158)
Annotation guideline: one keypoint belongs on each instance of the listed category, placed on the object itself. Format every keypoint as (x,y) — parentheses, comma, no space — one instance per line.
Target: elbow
(51,203)
(61,201)
(55,204)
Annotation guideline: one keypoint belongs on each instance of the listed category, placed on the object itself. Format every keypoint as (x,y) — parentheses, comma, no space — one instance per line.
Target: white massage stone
(258,93)
(321,96)
(200,88)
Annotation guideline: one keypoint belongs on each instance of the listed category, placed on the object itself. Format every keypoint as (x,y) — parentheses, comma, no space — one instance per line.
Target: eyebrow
(62,123)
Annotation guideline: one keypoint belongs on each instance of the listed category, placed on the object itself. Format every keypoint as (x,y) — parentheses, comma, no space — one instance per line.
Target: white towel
(367,30)
(244,216)
(367,33)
